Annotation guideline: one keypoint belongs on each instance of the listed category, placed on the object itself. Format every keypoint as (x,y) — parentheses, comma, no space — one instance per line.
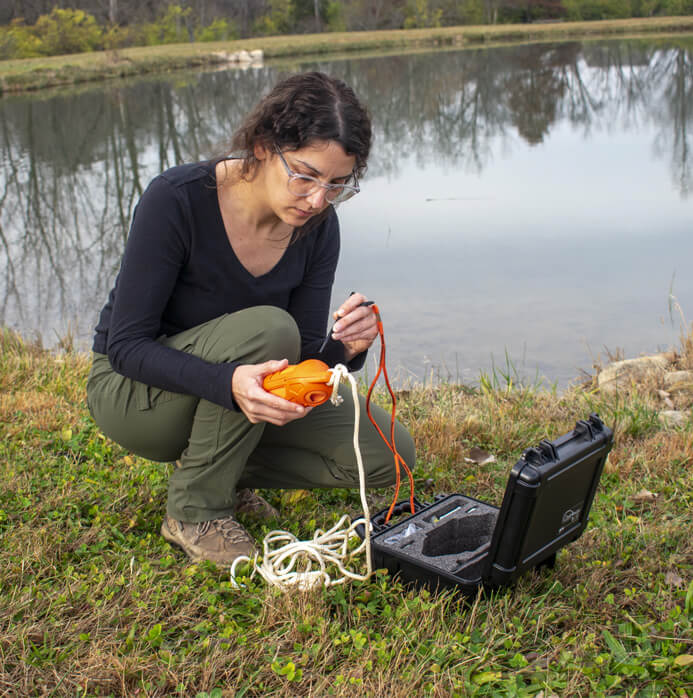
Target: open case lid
(547,500)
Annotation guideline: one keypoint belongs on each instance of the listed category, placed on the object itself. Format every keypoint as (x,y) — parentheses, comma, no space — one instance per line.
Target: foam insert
(448,535)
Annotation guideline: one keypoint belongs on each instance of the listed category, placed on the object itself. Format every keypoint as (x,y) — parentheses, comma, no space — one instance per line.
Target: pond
(527,206)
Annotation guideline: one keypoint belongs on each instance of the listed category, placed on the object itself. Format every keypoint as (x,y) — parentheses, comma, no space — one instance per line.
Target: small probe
(365,304)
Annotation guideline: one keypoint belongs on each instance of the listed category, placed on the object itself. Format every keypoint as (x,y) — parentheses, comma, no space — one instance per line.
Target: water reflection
(73,165)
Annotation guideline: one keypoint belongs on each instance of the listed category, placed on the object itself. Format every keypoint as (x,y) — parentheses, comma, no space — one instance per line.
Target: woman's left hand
(356,326)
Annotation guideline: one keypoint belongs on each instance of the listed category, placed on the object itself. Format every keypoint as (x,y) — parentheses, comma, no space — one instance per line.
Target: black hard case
(462,542)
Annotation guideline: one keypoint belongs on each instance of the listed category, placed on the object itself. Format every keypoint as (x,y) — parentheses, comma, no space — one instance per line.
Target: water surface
(530,201)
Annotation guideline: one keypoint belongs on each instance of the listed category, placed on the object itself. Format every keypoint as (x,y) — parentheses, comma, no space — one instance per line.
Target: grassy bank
(36,73)
(94,602)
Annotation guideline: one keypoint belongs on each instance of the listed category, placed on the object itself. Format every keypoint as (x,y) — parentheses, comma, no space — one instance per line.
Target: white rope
(305,564)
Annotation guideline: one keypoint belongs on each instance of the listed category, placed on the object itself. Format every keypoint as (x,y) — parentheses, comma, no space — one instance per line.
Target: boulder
(622,374)
(679,385)
(257,55)
(678,379)
(673,418)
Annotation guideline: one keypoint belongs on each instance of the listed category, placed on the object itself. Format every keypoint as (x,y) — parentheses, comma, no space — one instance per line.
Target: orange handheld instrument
(304,383)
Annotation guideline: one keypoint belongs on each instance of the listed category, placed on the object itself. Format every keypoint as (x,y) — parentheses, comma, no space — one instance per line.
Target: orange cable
(391,443)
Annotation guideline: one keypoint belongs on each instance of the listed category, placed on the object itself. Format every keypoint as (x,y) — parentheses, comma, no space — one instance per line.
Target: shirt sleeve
(156,250)
(310,302)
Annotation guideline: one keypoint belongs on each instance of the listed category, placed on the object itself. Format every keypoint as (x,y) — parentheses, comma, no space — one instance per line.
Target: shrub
(471,12)
(18,41)
(171,28)
(67,31)
(218,30)
(334,17)
(418,14)
(279,20)
(118,37)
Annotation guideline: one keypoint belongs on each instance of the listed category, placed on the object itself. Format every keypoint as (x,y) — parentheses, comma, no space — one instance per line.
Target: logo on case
(570,516)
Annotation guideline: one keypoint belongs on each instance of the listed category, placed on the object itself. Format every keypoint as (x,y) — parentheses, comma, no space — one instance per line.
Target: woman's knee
(260,334)
(282,338)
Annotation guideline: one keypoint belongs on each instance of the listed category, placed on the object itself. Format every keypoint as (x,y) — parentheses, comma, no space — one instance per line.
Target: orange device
(304,383)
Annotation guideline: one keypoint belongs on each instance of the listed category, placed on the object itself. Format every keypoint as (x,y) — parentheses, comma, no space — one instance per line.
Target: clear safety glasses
(305,185)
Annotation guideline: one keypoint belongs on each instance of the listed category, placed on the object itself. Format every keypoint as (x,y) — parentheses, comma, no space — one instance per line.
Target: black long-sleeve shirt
(179,271)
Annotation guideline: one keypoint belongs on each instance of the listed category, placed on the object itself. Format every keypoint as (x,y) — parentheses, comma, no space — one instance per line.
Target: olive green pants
(219,449)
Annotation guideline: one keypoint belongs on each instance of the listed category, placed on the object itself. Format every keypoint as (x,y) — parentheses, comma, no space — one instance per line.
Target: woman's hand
(256,403)
(356,326)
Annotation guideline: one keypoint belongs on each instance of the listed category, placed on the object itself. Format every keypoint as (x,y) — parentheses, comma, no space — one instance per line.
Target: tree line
(50,27)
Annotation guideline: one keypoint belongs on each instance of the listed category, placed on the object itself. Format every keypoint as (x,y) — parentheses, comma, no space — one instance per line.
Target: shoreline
(663,379)
(31,74)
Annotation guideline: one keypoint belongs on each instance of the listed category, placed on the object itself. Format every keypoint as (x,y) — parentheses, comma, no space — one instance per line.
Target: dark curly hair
(300,110)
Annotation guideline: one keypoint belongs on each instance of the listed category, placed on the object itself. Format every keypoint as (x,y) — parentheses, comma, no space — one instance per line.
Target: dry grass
(686,357)
(93,602)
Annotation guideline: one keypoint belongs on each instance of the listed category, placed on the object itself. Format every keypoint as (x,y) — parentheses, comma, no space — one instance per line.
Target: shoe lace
(227,527)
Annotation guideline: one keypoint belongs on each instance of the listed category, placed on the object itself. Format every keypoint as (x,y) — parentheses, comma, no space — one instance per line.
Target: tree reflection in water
(74,163)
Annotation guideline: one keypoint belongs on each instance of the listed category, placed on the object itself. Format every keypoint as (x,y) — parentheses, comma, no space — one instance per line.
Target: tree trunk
(244,17)
(113,11)
(316,6)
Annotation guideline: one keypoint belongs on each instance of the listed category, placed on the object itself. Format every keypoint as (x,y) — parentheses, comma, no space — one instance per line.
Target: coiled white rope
(306,564)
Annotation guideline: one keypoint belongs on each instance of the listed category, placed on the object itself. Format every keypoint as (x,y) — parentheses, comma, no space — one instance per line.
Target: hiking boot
(252,505)
(219,540)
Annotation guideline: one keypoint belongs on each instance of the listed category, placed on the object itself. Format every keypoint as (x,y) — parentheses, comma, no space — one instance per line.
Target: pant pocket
(149,396)
(142,396)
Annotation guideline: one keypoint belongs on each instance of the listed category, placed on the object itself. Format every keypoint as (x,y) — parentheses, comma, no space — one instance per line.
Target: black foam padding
(459,535)
(447,535)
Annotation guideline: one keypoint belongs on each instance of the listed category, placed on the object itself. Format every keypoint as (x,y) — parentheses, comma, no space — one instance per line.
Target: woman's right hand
(255,402)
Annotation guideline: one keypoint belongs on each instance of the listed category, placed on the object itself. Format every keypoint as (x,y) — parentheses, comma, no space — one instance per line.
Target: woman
(226,278)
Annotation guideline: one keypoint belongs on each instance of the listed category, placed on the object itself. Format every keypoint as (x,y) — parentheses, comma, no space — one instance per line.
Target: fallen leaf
(645,496)
(683,660)
(484,677)
(293,497)
(479,456)
(674,579)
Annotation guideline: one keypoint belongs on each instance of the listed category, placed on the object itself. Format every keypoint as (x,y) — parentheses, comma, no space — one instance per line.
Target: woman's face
(326,161)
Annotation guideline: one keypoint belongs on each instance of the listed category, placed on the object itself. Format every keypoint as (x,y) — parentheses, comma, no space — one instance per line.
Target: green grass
(94,602)
(37,73)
